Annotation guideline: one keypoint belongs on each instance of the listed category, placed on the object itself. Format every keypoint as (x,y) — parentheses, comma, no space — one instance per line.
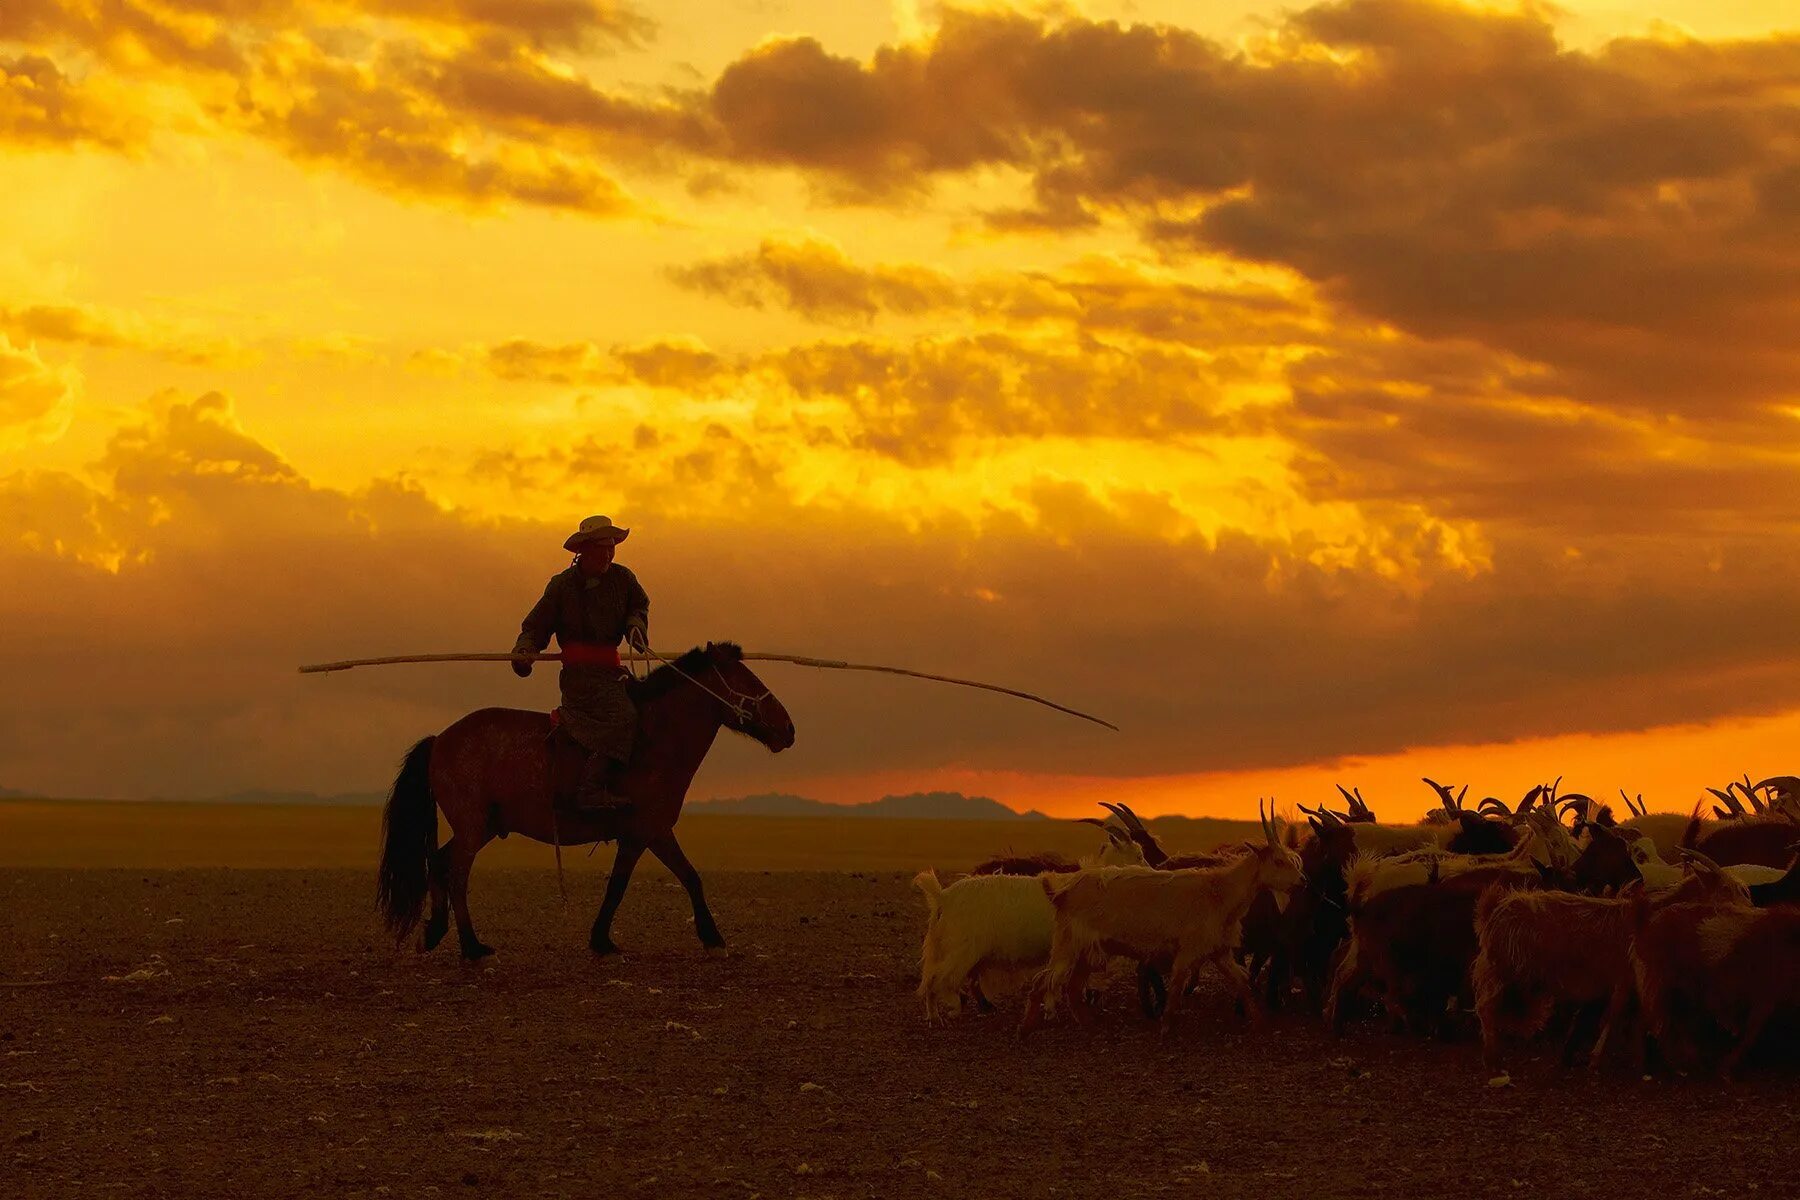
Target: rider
(589,607)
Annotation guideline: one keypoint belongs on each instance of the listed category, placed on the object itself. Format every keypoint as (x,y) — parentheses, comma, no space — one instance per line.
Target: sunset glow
(1323,394)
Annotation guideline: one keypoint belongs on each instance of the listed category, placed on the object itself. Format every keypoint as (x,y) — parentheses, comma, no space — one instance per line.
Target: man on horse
(588,607)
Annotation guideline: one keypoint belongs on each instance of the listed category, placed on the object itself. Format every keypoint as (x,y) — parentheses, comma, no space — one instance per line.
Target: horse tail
(408,839)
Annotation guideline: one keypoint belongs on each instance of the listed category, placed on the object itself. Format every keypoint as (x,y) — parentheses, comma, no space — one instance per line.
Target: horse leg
(462,859)
(439,924)
(600,940)
(668,852)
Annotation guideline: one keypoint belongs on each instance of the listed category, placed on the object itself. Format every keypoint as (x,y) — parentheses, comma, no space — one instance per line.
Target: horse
(490,773)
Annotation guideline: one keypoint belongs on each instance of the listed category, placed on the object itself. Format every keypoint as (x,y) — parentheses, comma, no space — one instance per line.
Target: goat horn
(1780,783)
(1437,787)
(1730,799)
(1756,801)
(1700,861)
(1493,804)
(1091,821)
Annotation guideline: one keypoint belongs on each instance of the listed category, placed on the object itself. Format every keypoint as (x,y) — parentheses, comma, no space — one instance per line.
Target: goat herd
(1553,914)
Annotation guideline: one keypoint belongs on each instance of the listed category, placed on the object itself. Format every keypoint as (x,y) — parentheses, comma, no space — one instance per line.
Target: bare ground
(251,1033)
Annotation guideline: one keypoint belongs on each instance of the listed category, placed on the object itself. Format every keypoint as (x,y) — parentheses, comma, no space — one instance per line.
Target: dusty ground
(250,1033)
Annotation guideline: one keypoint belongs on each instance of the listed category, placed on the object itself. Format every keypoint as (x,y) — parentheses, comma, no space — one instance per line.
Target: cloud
(40,105)
(1622,215)
(361,117)
(818,280)
(112,329)
(201,566)
(545,24)
(326,82)
(916,401)
(36,400)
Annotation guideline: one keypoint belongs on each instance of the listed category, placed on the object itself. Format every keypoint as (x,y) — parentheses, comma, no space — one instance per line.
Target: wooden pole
(827,664)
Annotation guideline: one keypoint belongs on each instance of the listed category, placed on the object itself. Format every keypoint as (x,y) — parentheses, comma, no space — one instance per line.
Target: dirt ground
(251,1033)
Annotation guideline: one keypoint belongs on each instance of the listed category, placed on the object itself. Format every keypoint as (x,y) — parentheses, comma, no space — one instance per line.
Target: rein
(743,708)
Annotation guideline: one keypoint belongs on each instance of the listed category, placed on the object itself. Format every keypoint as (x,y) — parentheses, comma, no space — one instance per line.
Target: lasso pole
(828,664)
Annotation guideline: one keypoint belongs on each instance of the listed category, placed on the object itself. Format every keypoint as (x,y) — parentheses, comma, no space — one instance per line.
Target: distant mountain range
(935,806)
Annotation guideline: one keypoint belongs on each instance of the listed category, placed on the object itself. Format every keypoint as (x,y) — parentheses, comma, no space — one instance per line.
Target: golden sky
(1356,391)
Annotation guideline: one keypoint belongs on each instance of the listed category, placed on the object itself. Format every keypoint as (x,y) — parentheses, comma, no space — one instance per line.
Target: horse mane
(671,675)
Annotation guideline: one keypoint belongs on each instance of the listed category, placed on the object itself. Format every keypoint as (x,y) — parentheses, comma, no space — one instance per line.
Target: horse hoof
(604,947)
(434,936)
(718,950)
(474,951)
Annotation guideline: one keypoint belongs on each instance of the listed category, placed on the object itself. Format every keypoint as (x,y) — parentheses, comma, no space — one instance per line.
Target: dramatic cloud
(1625,216)
(1399,376)
(188,557)
(35,398)
(39,105)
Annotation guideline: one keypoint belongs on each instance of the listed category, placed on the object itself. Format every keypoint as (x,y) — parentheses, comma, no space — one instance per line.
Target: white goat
(1174,921)
(992,931)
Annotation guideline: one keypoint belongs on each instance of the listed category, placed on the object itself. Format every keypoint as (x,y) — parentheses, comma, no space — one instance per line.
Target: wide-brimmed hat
(596,529)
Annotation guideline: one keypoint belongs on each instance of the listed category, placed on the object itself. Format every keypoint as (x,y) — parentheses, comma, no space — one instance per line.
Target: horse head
(752,708)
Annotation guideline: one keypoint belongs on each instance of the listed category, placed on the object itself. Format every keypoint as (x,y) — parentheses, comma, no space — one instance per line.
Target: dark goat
(1783,891)
(1760,841)
(1416,944)
(1605,863)
(1476,834)
(1316,921)
(1740,967)
(1047,863)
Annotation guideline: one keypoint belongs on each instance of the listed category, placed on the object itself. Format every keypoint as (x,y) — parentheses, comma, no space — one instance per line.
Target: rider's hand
(521,669)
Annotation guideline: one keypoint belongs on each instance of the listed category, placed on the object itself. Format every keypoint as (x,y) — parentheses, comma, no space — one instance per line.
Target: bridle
(743,706)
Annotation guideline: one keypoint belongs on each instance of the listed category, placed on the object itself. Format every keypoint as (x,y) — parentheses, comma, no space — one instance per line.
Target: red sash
(590,654)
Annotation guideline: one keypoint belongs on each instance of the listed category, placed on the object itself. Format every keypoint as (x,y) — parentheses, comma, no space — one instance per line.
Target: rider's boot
(595,792)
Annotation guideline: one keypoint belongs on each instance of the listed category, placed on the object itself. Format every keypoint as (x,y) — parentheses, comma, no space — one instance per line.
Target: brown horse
(490,772)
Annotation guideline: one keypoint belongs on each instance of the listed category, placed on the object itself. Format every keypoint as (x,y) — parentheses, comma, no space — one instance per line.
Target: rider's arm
(637,612)
(539,623)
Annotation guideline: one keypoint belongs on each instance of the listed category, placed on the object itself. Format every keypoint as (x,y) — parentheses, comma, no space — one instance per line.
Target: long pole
(828,664)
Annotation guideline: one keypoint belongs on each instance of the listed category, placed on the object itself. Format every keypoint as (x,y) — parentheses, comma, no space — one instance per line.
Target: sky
(1333,393)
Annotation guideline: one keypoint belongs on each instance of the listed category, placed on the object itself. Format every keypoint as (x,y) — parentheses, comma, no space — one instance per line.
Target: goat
(1659,874)
(1738,966)
(1174,921)
(1369,877)
(1049,861)
(1538,950)
(1261,940)
(1785,890)
(983,930)
(1434,832)
(1416,942)
(1605,863)
(1784,795)
(1761,840)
